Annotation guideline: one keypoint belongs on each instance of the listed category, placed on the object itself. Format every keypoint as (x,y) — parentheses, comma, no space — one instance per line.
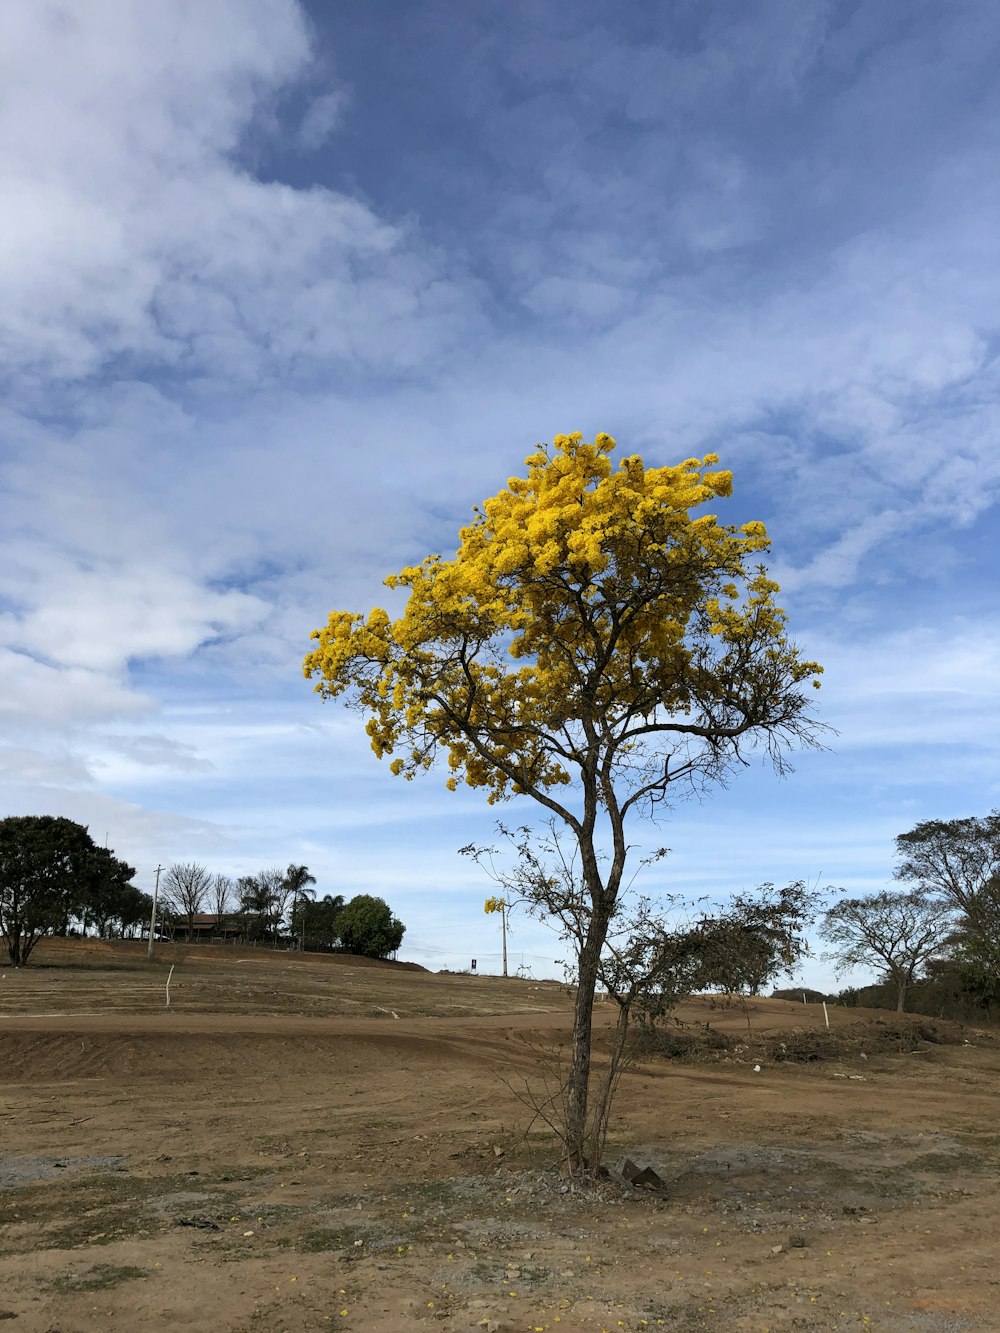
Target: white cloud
(51,695)
(135,238)
(58,767)
(131,229)
(100,619)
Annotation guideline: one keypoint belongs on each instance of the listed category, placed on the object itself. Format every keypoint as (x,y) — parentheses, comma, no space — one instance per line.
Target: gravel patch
(15,1171)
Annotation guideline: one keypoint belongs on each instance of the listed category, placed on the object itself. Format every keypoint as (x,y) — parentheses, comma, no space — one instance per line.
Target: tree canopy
(50,870)
(298,881)
(958,862)
(317,923)
(756,939)
(367,926)
(263,900)
(593,644)
(898,932)
(111,896)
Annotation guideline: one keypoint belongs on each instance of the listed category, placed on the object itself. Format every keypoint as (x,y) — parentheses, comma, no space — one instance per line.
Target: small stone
(777,1249)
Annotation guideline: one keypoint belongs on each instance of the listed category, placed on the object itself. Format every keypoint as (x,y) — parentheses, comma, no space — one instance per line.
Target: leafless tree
(223,897)
(185,889)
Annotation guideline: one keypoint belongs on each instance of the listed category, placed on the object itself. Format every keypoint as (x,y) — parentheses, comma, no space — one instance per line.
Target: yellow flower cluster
(582,599)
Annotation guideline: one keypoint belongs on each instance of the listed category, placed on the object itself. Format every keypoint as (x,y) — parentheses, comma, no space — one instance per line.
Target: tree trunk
(603,896)
(601,1114)
(578,1081)
(19,946)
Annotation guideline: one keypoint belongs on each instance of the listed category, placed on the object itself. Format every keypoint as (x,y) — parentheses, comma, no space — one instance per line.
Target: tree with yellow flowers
(596,643)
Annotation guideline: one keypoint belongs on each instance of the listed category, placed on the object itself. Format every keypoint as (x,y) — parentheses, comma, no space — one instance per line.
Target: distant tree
(110,892)
(45,863)
(297,881)
(367,926)
(959,986)
(263,900)
(898,932)
(222,897)
(297,917)
(798,993)
(249,908)
(758,938)
(317,924)
(185,890)
(252,908)
(958,861)
(133,911)
(281,893)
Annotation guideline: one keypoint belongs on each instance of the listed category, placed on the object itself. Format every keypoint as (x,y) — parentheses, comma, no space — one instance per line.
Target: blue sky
(287,288)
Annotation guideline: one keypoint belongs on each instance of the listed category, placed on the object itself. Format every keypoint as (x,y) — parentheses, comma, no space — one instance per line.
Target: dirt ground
(302,1143)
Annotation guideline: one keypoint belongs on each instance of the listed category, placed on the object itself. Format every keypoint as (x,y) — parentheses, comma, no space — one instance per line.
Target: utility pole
(502,906)
(152,919)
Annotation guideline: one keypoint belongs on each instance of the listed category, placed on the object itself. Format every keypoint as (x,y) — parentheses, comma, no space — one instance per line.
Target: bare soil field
(303,1143)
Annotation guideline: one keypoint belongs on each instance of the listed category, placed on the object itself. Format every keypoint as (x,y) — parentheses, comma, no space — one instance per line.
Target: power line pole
(152,919)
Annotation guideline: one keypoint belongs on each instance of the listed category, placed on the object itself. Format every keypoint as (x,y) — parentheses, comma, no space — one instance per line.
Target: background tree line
(936,945)
(277,906)
(54,880)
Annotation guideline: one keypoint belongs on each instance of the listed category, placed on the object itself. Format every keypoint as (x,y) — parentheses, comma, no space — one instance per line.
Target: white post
(169,975)
(825,1014)
(152,919)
